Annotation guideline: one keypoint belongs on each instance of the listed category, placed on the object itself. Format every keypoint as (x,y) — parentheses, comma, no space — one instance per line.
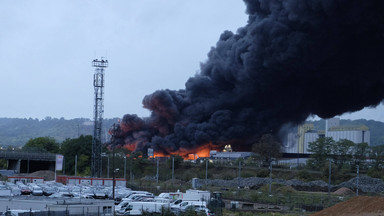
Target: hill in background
(17,131)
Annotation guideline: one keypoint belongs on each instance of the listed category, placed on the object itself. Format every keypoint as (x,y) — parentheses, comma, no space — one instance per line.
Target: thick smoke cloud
(294,58)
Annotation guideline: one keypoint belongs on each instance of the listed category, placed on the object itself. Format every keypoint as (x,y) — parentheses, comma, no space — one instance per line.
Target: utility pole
(357,181)
(173,169)
(113,174)
(238,181)
(157,170)
(329,178)
(270,177)
(206,173)
(108,166)
(101,167)
(75,165)
(130,170)
(125,167)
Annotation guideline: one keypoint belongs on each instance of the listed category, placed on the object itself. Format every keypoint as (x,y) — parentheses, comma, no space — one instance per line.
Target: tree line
(345,156)
(135,163)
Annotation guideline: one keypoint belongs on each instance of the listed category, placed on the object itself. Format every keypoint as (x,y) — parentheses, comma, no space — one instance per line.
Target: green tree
(46,144)
(321,149)
(177,161)
(360,154)
(82,147)
(377,156)
(267,148)
(342,152)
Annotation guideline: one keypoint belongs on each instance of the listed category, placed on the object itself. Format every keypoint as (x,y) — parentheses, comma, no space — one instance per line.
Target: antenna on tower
(98,84)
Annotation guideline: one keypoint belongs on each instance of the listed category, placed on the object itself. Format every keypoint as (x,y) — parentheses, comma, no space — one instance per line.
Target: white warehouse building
(298,142)
(356,135)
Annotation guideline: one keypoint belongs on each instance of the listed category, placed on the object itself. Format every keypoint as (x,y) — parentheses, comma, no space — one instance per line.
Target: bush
(187,175)
(285,189)
(263,173)
(247,174)
(304,175)
(374,173)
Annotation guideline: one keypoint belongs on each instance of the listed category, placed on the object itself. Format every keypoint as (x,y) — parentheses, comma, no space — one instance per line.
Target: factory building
(298,142)
(228,156)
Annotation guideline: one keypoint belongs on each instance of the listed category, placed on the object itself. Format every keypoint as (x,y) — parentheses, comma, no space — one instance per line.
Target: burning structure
(293,59)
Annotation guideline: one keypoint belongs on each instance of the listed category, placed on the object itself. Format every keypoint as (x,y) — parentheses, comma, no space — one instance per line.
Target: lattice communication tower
(98,84)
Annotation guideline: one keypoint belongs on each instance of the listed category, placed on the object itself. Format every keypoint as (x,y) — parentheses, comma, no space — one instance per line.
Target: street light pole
(101,166)
(206,173)
(125,166)
(173,168)
(113,181)
(357,181)
(270,177)
(329,178)
(113,162)
(75,165)
(157,170)
(239,174)
(130,169)
(108,167)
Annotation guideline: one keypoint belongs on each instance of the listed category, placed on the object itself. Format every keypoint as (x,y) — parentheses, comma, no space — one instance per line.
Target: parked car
(37,191)
(25,190)
(48,191)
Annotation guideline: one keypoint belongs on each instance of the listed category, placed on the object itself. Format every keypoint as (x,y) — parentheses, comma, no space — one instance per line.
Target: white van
(131,193)
(139,197)
(137,208)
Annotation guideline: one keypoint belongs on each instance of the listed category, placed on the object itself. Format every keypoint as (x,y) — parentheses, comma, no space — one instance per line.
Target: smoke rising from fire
(294,58)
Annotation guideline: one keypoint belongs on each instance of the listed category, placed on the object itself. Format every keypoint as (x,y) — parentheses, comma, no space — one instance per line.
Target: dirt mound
(344,192)
(356,206)
(46,174)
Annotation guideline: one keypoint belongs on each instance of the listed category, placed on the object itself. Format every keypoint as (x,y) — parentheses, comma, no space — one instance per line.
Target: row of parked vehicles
(138,202)
(57,190)
(127,201)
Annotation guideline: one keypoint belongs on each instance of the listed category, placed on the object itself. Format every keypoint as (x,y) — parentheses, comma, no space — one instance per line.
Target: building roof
(350,128)
(230,154)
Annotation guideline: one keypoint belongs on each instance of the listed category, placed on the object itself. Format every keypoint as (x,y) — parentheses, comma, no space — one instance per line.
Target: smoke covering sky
(46,49)
(293,59)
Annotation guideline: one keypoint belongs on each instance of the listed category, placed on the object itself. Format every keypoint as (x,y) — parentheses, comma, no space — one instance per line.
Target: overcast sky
(46,50)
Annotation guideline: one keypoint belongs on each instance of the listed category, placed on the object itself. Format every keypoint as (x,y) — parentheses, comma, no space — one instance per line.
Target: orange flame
(131,147)
(190,154)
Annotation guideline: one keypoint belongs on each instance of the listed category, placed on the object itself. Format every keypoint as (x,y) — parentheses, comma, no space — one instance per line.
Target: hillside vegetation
(17,131)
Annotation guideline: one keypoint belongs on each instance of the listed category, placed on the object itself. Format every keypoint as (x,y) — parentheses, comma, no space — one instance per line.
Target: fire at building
(289,61)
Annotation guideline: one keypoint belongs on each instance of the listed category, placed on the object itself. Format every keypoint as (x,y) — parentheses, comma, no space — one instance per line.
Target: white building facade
(299,142)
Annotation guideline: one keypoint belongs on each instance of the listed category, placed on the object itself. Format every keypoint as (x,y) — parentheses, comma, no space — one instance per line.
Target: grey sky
(46,49)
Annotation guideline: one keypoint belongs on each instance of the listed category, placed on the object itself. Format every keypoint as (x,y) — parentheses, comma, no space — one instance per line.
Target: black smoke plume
(294,58)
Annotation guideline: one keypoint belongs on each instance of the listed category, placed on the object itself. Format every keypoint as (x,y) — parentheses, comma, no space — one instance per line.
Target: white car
(37,191)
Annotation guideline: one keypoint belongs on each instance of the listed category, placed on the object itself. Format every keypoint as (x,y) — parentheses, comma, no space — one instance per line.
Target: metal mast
(98,83)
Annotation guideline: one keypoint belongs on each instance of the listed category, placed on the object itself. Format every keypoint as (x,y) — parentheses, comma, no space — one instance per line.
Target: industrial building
(298,142)
(227,156)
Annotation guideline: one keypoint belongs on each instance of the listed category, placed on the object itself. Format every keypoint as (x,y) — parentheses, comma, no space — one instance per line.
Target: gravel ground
(366,184)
